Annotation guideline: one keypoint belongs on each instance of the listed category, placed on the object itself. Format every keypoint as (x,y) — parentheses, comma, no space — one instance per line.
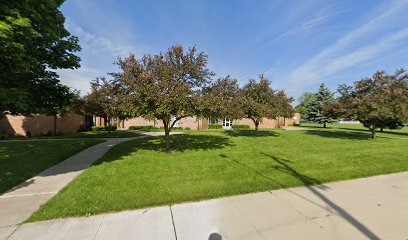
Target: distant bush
(214,126)
(187,128)
(142,127)
(240,127)
(104,128)
(177,128)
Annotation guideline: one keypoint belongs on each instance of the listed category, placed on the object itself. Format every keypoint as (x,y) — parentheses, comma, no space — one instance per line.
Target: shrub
(214,126)
(187,128)
(104,128)
(177,128)
(240,127)
(149,127)
(98,128)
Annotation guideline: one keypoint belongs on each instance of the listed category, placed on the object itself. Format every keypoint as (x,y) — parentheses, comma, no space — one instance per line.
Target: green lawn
(102,134)
(21,160)
(88,134)
(211,164)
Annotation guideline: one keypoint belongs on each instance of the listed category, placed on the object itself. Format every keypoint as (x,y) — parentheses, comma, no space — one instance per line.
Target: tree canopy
(261,101)
(34,42)
(164,86)
(377,101)
(222,99)
(304,101)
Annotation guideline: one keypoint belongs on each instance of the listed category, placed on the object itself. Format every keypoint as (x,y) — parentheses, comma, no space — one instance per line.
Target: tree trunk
(166,136)
(256,126)
(382,129)
(54,127)
(372,132)
(324,125)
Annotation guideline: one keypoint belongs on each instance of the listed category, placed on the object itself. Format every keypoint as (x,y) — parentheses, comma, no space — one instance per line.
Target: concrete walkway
(22,201)
(369,208)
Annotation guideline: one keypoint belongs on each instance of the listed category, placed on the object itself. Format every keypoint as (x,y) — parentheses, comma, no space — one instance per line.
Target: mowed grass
(211,164)
(88,134)
(21,160)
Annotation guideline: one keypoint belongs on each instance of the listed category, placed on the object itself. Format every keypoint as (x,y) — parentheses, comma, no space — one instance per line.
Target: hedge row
(240,127)
(149,127)
(214,126)
(104,128)
(142,127)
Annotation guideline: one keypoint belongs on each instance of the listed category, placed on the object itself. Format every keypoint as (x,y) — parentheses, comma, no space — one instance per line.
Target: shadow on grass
(284,167)
(339,134)
(179,143)
(251,133)
(405,134)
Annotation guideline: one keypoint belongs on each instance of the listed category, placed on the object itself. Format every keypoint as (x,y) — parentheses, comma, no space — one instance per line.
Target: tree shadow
(339,134)
(251,133)
(179,143)
(405,134)
(6,129)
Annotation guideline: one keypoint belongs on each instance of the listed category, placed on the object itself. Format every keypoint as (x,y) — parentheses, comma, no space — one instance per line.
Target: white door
(226,123)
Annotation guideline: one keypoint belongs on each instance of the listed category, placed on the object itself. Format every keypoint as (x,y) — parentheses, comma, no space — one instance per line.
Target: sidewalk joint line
(18,226)
(172,221)
(97,230)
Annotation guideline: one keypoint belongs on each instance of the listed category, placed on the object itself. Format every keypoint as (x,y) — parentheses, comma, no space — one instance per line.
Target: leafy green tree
(314,110)
(304,101)
(261,101)
(103,100)
(222,99)
(34,42)
(163,86)
(379,101)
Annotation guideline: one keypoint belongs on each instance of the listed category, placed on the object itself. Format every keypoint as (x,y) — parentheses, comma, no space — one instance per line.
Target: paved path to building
(20,202)
(369,208)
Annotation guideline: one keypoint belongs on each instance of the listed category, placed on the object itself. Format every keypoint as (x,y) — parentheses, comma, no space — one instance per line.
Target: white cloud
(97,57)
(97,44)
(356,47)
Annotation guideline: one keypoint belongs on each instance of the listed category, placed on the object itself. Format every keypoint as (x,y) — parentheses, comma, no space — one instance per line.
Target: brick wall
(198,124)
(40,124)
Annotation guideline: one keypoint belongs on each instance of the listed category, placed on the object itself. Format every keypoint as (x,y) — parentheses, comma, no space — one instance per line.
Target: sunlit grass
(211,164)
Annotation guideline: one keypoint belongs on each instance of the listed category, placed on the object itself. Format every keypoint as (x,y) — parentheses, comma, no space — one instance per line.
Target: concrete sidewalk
(369,208)
(19,203)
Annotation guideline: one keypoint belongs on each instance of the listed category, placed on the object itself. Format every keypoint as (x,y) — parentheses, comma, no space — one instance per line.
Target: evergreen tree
(314,112)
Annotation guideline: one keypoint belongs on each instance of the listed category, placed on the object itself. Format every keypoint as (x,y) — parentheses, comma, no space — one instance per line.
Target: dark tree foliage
(305,100)
(33,42)
(104,100)
(380,101)
(222,99)
(314,110)
(163,86)
(261,101)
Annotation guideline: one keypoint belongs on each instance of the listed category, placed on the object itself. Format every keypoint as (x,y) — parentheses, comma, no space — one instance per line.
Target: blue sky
(296,44)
